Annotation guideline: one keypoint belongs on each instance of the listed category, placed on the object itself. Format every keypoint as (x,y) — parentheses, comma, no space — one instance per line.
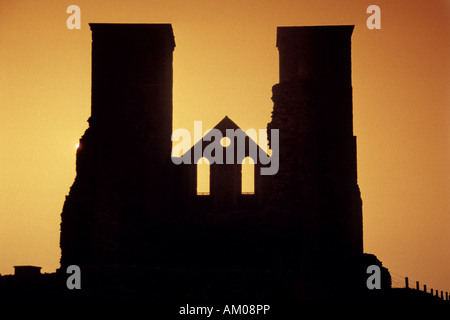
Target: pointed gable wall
(226,178)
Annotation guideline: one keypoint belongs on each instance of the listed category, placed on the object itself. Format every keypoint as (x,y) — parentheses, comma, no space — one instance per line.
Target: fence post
(417,285)
(446,295)
(431,290)
(442,295)
(425,288)
(406,283)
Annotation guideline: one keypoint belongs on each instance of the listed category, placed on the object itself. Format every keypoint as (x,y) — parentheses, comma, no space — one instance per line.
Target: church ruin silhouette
(131,208)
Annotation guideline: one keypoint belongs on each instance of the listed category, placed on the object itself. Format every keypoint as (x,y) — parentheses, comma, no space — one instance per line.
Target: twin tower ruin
(130,206)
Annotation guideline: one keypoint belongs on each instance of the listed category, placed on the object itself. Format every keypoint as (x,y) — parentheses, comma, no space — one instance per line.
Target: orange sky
(225,63)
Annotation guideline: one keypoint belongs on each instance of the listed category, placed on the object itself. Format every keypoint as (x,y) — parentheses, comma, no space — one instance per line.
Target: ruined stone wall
(128,204)
(124,170)
(315,193)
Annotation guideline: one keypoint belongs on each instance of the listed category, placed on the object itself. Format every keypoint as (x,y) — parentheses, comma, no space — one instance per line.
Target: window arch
(248,176)
(203,176)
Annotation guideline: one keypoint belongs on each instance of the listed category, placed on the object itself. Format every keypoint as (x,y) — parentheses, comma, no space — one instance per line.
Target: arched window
(248,176)
(203,176)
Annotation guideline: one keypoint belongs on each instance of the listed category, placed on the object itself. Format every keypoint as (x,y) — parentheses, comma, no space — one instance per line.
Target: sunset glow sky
(225,63)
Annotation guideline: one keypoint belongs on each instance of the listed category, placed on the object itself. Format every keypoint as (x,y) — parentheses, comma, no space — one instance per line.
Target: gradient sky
(225,63)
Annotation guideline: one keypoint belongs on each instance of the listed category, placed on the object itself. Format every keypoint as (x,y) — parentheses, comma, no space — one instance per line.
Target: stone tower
(123,161)
(315,192)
